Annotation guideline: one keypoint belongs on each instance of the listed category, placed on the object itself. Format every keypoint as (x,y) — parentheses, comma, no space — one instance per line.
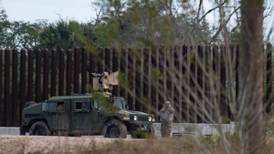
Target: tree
(148,23)
(18,34)
(251,74)
(4,25)
(65,34)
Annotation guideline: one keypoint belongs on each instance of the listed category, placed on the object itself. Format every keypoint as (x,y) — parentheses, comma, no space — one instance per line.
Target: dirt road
(42,144)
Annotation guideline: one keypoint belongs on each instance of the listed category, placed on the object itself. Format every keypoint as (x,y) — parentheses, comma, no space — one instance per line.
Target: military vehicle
(83,115)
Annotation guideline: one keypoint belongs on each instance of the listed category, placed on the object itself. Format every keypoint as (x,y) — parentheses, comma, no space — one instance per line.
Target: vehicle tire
(115,129)
(39,128)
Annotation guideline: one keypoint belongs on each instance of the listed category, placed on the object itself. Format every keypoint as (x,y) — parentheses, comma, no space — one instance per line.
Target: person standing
(104,83)
(166,117)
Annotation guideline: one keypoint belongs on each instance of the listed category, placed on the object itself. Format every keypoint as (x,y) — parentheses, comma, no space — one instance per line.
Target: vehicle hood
(30,108)
(129,112)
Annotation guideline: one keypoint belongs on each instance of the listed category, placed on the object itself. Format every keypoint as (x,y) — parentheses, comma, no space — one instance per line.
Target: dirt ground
(42,144)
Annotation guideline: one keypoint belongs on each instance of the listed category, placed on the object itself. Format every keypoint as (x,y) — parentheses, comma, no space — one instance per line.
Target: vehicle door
(58,115)
(83,117)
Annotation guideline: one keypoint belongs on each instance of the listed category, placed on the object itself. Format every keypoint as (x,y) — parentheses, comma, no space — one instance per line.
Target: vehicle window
(82,106)
(78,106)
(119,103)
(51,107)
(60,106)
(86,106)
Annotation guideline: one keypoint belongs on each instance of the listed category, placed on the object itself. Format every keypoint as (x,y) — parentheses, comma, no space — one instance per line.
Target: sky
(80,10)
(51,10)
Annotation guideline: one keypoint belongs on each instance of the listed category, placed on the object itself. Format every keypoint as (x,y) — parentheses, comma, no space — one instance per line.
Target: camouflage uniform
(167,115)
(104,83)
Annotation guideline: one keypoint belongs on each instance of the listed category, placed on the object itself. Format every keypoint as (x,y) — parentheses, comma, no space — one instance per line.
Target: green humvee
(83,115)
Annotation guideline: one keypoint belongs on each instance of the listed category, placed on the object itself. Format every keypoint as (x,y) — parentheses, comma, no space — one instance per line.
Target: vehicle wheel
(115,129)
(39,128)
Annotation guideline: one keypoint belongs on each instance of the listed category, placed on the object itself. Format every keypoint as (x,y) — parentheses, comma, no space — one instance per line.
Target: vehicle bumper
(139,126)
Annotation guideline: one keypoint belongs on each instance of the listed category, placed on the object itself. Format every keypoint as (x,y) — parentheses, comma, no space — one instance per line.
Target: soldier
(104,83)
(166,115)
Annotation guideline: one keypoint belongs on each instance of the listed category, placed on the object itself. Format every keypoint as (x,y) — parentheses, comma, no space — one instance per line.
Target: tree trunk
(251,76)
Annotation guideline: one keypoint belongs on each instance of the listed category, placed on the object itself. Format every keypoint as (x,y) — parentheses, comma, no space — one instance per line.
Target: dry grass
(163,146)
(87,145)
(48,145)
(184,145)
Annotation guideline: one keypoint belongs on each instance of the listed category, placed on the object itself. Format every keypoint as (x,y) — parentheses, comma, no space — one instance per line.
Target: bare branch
(223,25)
(199,9)
(270,10)
(209,11)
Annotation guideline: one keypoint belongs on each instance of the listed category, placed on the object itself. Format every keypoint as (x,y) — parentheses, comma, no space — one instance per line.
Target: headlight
(151,118)
(135,118)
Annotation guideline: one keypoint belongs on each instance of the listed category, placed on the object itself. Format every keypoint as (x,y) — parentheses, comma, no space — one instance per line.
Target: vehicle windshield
(120,103)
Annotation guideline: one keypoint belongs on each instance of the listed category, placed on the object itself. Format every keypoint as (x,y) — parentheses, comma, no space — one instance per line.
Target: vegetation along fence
(147,77)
